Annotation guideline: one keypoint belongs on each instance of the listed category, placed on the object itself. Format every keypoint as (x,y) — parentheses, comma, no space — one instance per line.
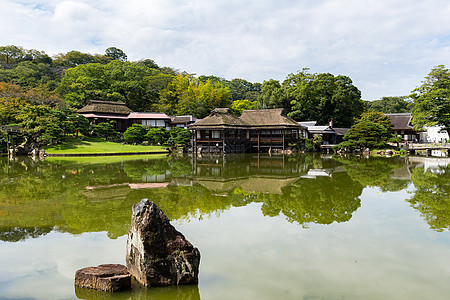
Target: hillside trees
(390,105)
(115,81)
(432,100)
(186,95)
(318,97)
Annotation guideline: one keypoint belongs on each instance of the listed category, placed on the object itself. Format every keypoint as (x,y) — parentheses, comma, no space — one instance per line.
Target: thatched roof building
(105,108)
(219,118)
(268,118)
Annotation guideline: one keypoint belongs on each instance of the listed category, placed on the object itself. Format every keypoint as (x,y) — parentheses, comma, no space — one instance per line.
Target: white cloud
(386,47)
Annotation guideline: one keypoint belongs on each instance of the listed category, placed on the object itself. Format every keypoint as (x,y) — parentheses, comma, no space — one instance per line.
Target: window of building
(160,123)
(215,134)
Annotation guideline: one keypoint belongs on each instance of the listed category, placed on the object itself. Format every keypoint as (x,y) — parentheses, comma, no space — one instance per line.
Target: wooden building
(402,127)
(105,111)
(254,131)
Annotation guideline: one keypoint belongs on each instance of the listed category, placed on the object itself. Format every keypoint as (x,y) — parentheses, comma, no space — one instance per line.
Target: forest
(42,93)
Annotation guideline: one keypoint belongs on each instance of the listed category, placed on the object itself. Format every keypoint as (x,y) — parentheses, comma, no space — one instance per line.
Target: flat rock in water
(157,254)
(108,278)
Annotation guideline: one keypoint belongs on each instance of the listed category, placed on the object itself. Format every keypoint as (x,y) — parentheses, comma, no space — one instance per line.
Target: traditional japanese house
(105,111)
(182,121)
(150,119)
(271,129)
(255,131)
(401,126)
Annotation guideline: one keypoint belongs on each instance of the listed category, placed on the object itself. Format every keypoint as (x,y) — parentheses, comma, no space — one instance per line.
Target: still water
(267,227)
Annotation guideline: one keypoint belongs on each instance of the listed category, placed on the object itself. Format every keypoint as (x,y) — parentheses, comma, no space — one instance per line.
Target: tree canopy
(318,97)
(390,105)
(432,100)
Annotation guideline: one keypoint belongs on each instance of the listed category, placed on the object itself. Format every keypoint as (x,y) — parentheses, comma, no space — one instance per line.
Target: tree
(116,54)
(323,96)
(365,134)
(134,134)
(186,95)
(105,130)
(390,105)
(432,100)
(179,136)
(239,106)
(11,54)
(157,135)
(379,118)
(273,95)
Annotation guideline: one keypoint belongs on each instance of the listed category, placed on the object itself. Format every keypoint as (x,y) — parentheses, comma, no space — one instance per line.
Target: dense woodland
(41,93)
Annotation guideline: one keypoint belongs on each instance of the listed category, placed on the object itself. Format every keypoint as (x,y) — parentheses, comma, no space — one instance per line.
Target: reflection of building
(250,173)
(254,131)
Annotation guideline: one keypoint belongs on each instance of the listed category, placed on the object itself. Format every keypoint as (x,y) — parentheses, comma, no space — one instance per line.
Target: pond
(267,227)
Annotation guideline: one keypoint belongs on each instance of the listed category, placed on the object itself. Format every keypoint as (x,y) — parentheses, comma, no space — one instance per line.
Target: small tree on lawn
(157,135)
(179,136)
(134,134)
(105,130)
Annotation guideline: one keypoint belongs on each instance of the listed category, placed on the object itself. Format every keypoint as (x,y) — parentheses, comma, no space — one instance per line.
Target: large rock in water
(157,254)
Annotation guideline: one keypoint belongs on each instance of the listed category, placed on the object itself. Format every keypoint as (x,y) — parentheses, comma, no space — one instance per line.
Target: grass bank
(96,145)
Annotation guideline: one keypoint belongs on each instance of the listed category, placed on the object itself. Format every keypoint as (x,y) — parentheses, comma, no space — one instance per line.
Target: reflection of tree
(432,196)
(375,171)
(323,200)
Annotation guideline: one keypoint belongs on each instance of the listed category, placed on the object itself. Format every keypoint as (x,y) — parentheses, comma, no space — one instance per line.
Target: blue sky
(386,47)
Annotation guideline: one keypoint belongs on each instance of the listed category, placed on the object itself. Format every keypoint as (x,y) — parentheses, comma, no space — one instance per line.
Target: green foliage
(115,54)
(432,196)
(273,95)
(432,100)
(179,136)
(379,118)
(238,106)
(134,134)
(389,105)
(318,97)
(115,81)
(105,130)
(186,95)
(317,141)
(373,130)
(365,134)
(157,135)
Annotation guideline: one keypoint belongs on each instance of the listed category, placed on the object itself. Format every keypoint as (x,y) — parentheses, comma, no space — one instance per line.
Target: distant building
(329,134)
(182,121)
(402,127)
(434,134)
(105,111)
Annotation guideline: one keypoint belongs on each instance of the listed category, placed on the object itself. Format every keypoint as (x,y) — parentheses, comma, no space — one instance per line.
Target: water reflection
(432,195)
(69,195)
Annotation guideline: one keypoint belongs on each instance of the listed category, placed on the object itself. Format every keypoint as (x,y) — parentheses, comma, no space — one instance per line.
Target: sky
(386,47)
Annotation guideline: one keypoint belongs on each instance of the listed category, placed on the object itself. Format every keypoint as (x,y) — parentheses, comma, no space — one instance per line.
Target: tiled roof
(145,115)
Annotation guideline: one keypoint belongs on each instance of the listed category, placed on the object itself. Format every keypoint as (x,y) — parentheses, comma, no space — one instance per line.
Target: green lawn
(95,145)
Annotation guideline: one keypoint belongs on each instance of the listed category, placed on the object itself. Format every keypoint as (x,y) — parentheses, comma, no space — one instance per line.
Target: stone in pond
(157,254)
(108,278)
